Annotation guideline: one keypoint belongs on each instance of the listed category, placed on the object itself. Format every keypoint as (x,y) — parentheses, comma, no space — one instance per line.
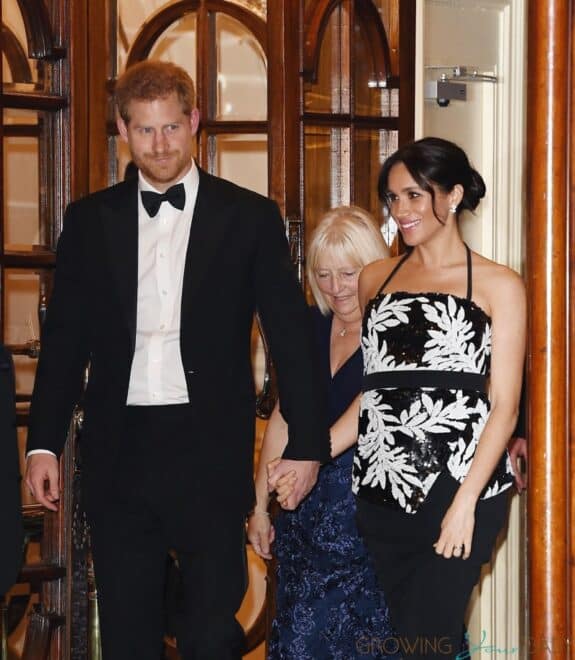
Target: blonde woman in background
(327,602)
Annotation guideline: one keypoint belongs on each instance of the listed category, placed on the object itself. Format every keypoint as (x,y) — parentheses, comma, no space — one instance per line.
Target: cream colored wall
(488,35)
(465,35)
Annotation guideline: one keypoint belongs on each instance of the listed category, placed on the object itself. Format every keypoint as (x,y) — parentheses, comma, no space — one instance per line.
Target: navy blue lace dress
(328,605)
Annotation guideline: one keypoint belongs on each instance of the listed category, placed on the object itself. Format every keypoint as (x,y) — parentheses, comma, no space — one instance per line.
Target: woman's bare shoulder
(373,276)
(496,281)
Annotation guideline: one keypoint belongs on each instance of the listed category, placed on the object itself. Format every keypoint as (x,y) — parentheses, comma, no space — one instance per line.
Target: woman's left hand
(457,529)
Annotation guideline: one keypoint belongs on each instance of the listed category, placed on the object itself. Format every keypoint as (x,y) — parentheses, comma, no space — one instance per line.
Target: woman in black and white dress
(443,346)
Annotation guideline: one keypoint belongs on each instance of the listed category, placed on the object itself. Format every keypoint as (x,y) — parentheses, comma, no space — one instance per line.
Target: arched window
(222,45)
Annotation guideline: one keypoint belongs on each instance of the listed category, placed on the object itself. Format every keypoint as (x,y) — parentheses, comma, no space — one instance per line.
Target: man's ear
(194,120)
(122,128)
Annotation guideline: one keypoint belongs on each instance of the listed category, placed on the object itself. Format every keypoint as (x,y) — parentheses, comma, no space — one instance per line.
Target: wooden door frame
(550,251)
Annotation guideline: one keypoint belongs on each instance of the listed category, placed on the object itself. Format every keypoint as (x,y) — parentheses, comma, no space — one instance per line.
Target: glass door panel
(327,170)
(371,148)
(21,214)
(371,97)
(348,134)
(21,326)
(17,67)
(330,92)
(242,159)
(241,72)
(21,179)
(178,44)
(131,15)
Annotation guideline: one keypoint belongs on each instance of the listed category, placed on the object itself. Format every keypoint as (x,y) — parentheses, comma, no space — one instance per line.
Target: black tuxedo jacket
(10,508)
(237,261)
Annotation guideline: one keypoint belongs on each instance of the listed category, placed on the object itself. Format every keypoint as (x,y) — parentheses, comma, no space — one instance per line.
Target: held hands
(292,480)
(285,485)
(42,475)
(457,528)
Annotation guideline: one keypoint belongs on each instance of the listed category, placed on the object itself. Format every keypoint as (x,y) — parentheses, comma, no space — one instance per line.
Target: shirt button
(164,292)
(161,255)
(163,326)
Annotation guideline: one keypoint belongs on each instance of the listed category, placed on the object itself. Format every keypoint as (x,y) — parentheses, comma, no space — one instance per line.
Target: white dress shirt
(157,374)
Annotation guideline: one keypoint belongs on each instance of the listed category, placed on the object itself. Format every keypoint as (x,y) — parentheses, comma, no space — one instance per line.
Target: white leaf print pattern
(456,341)
(450,346)
(387,462)
(495,488)
(461,453)
(390,313)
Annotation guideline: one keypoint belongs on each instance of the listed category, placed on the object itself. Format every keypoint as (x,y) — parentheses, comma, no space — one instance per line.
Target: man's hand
(517,451)
(306,476)
(42,475)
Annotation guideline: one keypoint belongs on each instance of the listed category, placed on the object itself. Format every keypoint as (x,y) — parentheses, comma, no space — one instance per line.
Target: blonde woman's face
(337,280)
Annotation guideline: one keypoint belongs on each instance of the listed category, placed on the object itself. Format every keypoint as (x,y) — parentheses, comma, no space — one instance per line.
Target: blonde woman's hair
(346,233)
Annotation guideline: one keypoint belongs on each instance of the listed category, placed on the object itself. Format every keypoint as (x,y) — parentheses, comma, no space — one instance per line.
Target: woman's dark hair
(436,162)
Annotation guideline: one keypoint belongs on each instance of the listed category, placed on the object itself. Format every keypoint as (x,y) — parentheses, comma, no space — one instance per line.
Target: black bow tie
(152,201)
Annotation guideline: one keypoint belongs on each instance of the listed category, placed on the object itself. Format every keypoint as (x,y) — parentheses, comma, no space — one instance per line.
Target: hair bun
(474,190)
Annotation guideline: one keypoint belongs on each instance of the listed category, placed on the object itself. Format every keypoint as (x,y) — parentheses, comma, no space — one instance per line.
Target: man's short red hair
(150,80)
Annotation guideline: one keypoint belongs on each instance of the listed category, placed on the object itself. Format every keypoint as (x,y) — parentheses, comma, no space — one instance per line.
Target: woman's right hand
(261,533)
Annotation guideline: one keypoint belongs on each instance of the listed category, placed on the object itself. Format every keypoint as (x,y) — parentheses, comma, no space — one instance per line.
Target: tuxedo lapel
(210,222)
(120,218)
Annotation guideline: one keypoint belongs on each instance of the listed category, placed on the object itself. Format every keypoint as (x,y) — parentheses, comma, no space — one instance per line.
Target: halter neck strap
(400,263)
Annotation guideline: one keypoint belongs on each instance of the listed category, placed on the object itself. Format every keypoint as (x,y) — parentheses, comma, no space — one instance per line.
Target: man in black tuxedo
(10,508)
(157,280)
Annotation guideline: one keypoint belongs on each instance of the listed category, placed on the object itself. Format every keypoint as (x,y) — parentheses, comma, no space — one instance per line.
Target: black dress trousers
(426,593)
(155,501)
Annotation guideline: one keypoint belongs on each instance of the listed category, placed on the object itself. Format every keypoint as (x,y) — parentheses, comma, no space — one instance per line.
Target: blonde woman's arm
(260,531)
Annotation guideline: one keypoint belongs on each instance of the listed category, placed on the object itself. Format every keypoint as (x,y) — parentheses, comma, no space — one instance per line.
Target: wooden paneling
(284,107)
(406,57)
(571,330)
(99,69)
(547,186)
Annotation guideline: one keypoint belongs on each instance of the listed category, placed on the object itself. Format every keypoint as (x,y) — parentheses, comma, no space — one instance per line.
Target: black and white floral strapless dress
(424,403)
